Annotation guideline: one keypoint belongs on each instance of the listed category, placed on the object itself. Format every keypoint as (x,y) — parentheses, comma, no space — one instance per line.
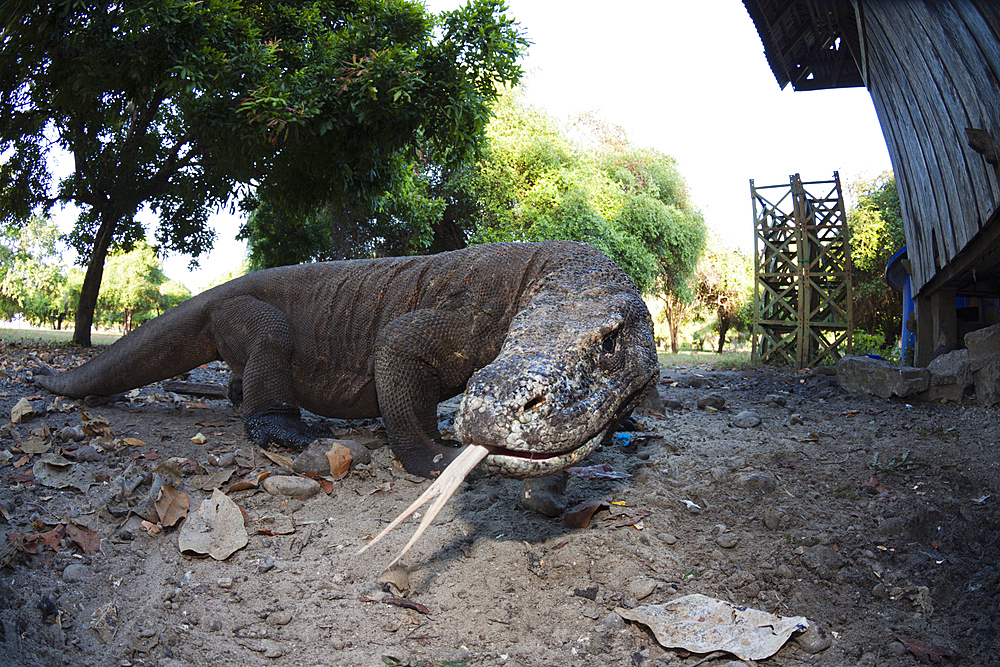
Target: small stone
(225,582)
(727,540)
(300,488)
(215,625)
(71,434)
(87,453)
(271,649)
(667,538)
(641,587)
(397,576)
(795,420)
(266,565)
(673,404)
(544,494)
(712,400)
(772,518)
(761,482)
(775,400)
(75,572)
(279,618)
(337,644)
(814,639)
(746,419)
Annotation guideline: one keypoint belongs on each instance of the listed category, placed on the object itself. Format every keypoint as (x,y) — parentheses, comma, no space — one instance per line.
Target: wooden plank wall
(933,70)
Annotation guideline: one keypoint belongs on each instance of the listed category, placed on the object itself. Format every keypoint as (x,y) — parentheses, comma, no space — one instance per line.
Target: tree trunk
(724,323)
(92,280)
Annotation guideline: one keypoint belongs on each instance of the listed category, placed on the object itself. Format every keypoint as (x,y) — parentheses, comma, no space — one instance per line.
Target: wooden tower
(802,294)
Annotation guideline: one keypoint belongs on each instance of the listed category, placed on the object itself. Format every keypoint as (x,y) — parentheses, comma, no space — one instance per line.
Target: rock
(641,587)
(652,401)
(544,494)
(821,560)
(760,482)
(795,420)
(746,419)
(277,618)
(864,375)
(225,582)
(814,639)
(775,400)
(673,404)
(712,400)
(271,649)
(75,572)
(983,346)
(727,540)
(951,368)
(300,488)
(987,380)
(87,453)
(700,383)
(772,518)
(71,434)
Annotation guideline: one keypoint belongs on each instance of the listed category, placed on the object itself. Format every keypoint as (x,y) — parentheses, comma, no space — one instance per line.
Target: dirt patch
(877,520)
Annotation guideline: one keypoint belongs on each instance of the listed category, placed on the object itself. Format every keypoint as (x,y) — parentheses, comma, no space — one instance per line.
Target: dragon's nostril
(533,404)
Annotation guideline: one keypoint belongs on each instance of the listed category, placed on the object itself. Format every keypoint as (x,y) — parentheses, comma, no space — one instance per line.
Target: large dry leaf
(22,411)
(216,528)
(96,426)
(280,459)
(701,624)
(84,537)
(171,505)
(340,460)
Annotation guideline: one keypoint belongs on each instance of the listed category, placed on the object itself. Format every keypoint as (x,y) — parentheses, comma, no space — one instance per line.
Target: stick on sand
(440,491)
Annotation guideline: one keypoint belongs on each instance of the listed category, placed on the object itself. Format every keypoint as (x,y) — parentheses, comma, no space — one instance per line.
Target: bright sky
(686,78)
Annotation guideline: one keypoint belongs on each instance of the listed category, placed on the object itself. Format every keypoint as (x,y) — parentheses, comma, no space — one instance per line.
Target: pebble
(225,582)
(712,400)
(762,483)
(772,518)
(300,488)
(227,460)
(795,420)
(72,433)
(544,494)
(814,639)
(700,383)
(746,419)
(279,618)
(775,400)
(75,572)
(215,625)
(641,587)
(266,565)
(271,649)
(727,540)
(673,404)
(87,453)
(667,538)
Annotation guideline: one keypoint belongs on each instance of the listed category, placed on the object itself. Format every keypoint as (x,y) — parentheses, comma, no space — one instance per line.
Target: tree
(135,289)
(177,105)
(725,285)
(876,227)
(31,279)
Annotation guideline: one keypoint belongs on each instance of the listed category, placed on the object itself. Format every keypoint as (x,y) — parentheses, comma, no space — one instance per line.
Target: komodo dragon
(550,342)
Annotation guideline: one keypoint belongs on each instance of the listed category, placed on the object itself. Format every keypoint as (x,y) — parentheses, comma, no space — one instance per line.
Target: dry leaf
(340,461)
(96,426)
(134,442)
(199,439)
(216,528)
(151,527)
(85,538)
(22,411)
(280,459)
(579,516)
(171,505)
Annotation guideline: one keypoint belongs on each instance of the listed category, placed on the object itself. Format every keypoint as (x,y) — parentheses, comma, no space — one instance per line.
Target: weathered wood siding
(933,70)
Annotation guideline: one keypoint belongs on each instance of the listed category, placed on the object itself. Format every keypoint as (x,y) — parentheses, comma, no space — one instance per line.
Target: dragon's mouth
(517,464)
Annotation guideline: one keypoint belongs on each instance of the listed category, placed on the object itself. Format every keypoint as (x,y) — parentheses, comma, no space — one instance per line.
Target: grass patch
(53,336)
(729,361)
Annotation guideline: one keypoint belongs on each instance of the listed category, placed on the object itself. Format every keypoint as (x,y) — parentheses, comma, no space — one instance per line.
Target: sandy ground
(876,520)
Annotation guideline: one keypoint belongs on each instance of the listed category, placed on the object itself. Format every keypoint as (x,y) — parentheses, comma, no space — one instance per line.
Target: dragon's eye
(609,343)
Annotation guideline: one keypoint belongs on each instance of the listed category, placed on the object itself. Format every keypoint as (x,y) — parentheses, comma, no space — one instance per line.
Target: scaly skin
(550,342)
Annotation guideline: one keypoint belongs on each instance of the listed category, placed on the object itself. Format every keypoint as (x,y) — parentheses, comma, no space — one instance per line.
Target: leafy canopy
(177,105)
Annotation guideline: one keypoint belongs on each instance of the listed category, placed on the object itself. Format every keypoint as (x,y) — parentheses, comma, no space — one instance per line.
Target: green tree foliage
(31,280)
(876,228)
(135,289)
(587,183)
(725,279)
(176,105)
